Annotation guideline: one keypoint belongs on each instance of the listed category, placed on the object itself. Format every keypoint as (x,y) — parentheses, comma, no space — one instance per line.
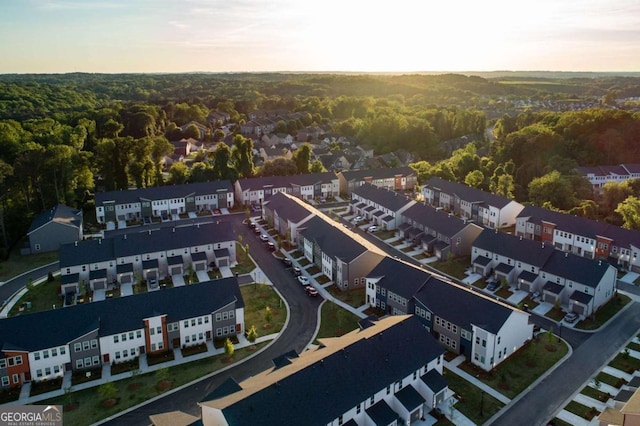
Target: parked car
(271,246)
(256,230)
(286,261)
(311,291)
(152,283)
(357,219)
(322,200)
(492,285)
(373,228)
(297,271)
(264,238)
(303,280)
(571,317)
(252,225)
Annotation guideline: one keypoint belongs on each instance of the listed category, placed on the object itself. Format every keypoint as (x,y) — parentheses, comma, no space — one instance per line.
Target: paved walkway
(126,289)
(630,277)
(202,276)
(225,271)
(177,280)
(453,367)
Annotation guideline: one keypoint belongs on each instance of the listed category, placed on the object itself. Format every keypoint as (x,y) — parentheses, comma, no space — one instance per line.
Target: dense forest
(60,135)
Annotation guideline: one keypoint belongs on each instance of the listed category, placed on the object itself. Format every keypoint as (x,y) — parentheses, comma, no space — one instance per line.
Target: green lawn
(385,235)
(634,346)
(595,394)
(626,363)
(616,382)
(581,410)
(355,297)
(471,398)
(245,264)
(42,297)
(139,388)
(17,264)
(335,321)
(256,298)
(522,368)
(555,313)
(560,422)
(605,313)
(454,267)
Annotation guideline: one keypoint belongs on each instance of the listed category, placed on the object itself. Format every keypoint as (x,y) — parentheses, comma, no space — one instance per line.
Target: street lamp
(559,331)
(481,403)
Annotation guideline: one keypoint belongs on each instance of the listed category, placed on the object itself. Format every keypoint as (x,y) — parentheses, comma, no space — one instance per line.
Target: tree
(222,167)
(243,156)
(107,390)
(317,167)
(178,173)
(552,188)
(278,167)
(423,171)
(629,209)
(228,347)
(474,179)
(201,172)
(160,147)
(267,315)
(302,158)
(191,131)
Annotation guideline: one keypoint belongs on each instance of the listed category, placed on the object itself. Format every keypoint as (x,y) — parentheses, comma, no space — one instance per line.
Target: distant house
(485,208)
(272,153)
(306,187)
(202,129)
(184,147)
(381,206)
(54,227)
(366,377)
(218,116)
(486,331)
(397,179)
(581,236)
(600,175)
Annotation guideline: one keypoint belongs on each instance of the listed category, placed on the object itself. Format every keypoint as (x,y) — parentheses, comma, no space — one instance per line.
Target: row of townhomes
(343,256)
(45,345)
(395,178)
(581,236)
(153,254)
(484,208)
(306,186)
(581,284)
(163,202)
(482,329)
(334,385)
(600,175)
(425,227)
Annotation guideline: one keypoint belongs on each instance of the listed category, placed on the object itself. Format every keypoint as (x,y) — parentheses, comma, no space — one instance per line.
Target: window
(152,331)
(206,319)
(138,334)
(78,347)
(85,345)
(38,374)
(45,354)
(94,343)
(116,339)
(47,372)
(54,352)
(124,337)
(16,379)
(118,355)
(159,330)
(185,324)
(79,363)
(62,350)
(56,369)
(125,353)
(160,345)
(36,355)
(193,323)
(199,321)
(3,363)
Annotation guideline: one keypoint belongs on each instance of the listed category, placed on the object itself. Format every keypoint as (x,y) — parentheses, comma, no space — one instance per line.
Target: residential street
(10,287)
(551,394)
(298,334)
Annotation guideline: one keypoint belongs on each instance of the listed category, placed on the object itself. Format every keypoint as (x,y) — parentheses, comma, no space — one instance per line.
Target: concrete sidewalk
(453,367)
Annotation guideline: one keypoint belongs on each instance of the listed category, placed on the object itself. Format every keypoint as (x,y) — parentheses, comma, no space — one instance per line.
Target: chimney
(520,237)
(76,244)
(125,236)
(566,255)
(543,244)
(174,229)
(149,231)
(599,262)
(99,240)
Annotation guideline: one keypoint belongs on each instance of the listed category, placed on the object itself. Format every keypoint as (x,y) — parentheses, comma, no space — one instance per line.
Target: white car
(264,237)
(303,280)
(373,228)
(357,219)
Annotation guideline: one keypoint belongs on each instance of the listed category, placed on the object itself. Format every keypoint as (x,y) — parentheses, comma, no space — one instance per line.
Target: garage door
(201,266)
(223,262)
(99,285)
(578,309)
(549,297)
(126,279)
(525,286)
(175,270)
(479,270)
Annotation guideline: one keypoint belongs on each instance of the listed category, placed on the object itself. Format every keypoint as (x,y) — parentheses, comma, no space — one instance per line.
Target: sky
(115,36)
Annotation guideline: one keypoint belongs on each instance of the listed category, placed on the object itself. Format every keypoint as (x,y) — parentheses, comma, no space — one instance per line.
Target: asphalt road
(538,406)
(298,334)
(10,287)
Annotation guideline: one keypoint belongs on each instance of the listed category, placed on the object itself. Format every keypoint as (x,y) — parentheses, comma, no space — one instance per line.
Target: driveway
(178,280)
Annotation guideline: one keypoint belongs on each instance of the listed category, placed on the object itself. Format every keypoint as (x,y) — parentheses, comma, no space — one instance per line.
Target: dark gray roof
(333,241)
(200,255)
(327,388)
(124,268)
(395,276)
(392,200)
(521,249)
(634,382)
(410,398)
(469,308)
(431,218)
(581,297)
(94,251)
(440,245)
(578,269)
(381,173)
(504,268)
(57,327)
(624,395)
(382,414)
(163,192)
(553,287)
(150,264)
(61,214)
(97,274)
(280,203)
(252,184)
(70,279)
(467,193)
(582,226)
(434,380)
(174,260)
(482,260)
(527,276)
(221,253)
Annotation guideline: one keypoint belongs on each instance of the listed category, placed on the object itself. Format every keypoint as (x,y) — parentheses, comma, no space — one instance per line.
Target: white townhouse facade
(254,191)
(383,207)
(48,364)
(286,215)
(599,176)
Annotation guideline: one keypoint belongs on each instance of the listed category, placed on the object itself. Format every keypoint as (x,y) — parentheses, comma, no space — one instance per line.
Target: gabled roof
(59,214)
(286,207)
(442,222)
(521,249)
(578,269)
(434,380)
(380,173)
(94,251)
(410,398)
(324,383)
(392,200)
(467,193)
(257,183)
(163,192)
(57,327)
(403,281)
(334,242)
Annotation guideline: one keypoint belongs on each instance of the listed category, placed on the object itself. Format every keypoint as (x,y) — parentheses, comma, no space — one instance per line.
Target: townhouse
(383,207)
(582,285)
(342,256)
(285,215)
(487,209)
(369,376)
(154,254)
(600,175)
(163,201)
(581,236)
(397,179)
(45,345)
(58,225)
(436,232)
(484,330)
(253,191)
